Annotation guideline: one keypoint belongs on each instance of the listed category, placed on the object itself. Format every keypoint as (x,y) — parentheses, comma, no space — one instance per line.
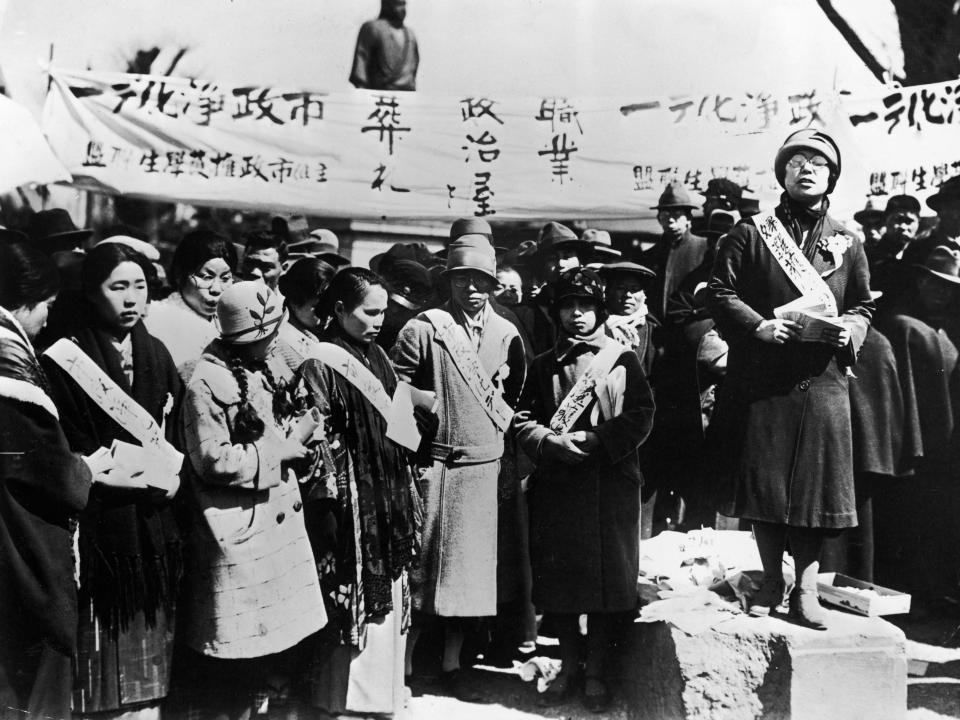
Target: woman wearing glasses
(783,415)
(202,269)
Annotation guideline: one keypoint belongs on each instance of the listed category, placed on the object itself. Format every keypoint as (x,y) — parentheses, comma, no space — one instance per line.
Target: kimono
(129,539)
(44,485)
(457,576)
(374,506)
(782,421)
(585,519)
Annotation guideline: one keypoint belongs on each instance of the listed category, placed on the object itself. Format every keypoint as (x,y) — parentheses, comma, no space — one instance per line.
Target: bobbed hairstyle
(307,278)
(27,275)
(349,286)
(197,248)
(101,260)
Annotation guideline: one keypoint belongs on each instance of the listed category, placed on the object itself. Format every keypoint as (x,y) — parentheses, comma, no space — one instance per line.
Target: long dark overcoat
(783,415)
(584,519)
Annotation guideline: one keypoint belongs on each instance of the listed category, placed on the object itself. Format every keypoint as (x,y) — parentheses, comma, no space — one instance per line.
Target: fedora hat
(471,252)
(554,234)
(870,214)
(675,195)
(943,263)
(248,311)
(601,244)
(948,191)
(54,231)
(12,236)
(416,251)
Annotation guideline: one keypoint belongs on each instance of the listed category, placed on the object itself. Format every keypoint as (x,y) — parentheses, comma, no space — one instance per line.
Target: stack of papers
(813,317)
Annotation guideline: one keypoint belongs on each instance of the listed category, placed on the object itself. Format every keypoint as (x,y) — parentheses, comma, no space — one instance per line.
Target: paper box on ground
(861,597)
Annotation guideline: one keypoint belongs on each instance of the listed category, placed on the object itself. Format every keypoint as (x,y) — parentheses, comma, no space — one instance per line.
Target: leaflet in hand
(147,467)
(401,425)
(813,317)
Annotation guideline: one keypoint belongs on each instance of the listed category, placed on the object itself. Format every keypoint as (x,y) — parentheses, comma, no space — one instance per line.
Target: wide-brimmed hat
(948,191)
(471,252)
(554,234)
(808,139)
(321,244)
(54,231)
(720,223)
(902,204)
(611,270)
(577,282)
(870,215)
(674,196)
(248,311)
(943,263)
(723,189)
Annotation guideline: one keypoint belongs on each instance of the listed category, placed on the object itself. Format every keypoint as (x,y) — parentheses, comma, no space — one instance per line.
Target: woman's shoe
(767,597)
(596,695)
(560,689)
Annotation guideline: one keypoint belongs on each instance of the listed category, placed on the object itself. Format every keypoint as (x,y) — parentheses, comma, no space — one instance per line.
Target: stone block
(746,668)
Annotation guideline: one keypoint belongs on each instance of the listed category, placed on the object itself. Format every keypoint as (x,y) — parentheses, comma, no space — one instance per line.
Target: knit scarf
(799,218)
(388,529)
(130,549)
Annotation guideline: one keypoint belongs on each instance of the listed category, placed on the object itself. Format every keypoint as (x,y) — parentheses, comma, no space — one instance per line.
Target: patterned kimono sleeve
(215,458)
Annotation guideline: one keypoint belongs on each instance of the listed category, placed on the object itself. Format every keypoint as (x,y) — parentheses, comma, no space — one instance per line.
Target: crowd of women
(242,497)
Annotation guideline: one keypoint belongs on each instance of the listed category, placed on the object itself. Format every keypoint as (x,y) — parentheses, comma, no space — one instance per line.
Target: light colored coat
(253,587)
(458,571)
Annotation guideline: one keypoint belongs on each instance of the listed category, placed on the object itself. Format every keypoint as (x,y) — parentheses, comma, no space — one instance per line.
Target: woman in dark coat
(585,499)
(43,486)
(783,415)
(130,559)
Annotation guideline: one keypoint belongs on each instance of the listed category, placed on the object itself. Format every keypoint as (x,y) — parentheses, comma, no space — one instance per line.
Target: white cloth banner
(371,155)
(26,157)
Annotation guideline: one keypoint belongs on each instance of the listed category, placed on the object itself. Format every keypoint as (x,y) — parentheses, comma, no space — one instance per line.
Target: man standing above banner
(782,420)
(473,360)
(677,252)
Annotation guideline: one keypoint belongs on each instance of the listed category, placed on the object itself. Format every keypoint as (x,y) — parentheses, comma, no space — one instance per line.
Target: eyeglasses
(818,162)
(205,282)
(480,282)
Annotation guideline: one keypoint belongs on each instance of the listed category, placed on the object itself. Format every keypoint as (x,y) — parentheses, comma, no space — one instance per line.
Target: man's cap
(902,204)
(724,189)
(471,252)
(943,263)
(949,191)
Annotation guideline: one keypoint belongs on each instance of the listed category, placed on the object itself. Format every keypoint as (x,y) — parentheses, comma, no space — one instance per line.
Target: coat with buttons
(782,424)
(252,583)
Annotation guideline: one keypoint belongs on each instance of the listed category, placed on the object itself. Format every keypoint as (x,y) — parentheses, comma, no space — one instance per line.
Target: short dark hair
(307,278)
(195,249)
(349,286)
(27,275)
(101,260)
(261,240)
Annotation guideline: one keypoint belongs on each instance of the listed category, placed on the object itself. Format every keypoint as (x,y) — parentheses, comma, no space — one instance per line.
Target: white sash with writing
(126,411)
(801,273)
(353,371)
(581,393)
(468,364)
(399,418)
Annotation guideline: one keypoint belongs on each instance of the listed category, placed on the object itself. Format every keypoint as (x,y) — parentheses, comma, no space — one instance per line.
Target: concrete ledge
(745,668)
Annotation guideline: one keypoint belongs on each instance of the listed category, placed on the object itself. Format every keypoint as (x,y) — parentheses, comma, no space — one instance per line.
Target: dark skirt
(787,457)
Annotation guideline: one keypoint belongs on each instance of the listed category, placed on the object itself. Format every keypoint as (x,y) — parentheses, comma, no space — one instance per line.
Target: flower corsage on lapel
(835,246)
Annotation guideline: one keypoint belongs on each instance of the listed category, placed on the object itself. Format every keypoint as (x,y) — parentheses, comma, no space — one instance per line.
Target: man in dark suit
(678,251)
